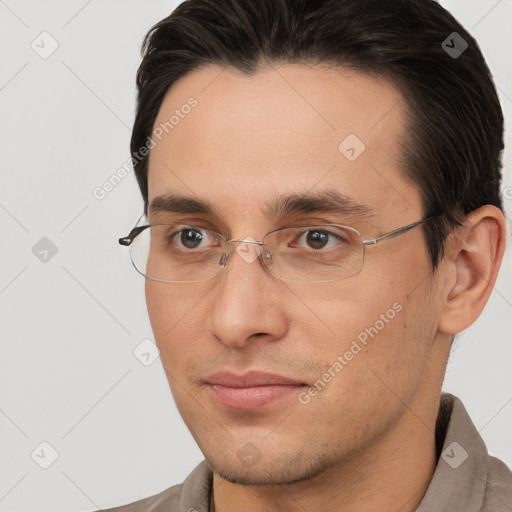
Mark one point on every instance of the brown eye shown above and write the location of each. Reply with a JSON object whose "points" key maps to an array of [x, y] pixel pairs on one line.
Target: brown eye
{"points": [[318, 239], [191, 238]]}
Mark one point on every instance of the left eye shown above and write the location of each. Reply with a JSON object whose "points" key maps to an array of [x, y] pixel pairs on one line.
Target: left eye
{"points": [[319, 239]]}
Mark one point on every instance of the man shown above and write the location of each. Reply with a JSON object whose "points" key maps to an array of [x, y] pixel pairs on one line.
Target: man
{"points": [[322, 180]]}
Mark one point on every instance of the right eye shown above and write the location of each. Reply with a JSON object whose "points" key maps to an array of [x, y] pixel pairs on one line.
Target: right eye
{"points": [[191, 238]]}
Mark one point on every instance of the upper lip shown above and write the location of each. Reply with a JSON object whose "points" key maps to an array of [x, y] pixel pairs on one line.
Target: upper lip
{"points": [[250, 379]]}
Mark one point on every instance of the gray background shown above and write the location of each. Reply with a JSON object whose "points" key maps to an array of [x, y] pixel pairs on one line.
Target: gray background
{"points": [[70, 323]]}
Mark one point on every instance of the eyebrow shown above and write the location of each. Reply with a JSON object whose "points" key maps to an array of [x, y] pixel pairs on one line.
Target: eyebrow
{"points": [[328, 201]]}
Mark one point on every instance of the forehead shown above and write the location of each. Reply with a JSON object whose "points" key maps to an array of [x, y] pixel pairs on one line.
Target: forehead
{"points": [[285, 129]]}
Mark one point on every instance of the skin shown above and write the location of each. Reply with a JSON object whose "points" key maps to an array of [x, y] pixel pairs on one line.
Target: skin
{"points": [[366, 441]]}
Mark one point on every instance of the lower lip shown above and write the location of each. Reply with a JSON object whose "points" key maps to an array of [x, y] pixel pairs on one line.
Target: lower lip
{"points": [[253, 397]]}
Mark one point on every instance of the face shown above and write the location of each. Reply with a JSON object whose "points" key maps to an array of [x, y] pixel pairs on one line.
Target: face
{"points": [[355, 351]]}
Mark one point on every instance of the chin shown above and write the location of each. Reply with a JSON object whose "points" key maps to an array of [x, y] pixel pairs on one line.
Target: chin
{"points": [[285, 470]]}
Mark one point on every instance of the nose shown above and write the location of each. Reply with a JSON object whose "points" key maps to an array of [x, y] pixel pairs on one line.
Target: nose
{"points": [[247, 299]]}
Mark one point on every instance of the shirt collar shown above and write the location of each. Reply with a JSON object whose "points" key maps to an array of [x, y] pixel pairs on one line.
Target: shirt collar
{"points": [[460, 477]]}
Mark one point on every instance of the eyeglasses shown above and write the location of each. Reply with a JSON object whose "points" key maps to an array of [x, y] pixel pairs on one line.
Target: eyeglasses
{"points": [[184, 253]]}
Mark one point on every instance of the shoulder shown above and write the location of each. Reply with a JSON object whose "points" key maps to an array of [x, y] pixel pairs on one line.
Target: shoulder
{"points": [[192, 494], [498, 488], [167, 501]]}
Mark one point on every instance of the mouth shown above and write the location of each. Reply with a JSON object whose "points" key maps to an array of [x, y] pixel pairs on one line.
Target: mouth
{"points": [[252, 390]]}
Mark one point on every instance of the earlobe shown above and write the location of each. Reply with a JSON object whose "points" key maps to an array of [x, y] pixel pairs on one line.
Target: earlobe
{"points": [[472, 263]]}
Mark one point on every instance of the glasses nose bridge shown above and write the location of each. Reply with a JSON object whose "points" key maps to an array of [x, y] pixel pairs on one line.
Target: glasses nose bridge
{"points": [[228, 251], [244, 240], [239, 240]]}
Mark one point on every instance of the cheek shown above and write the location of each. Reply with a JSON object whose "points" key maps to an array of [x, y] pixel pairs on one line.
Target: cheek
{"points": [[374, 330], [159, 302], [376, 358], [348, 310], [169, 304], [177, 318]]}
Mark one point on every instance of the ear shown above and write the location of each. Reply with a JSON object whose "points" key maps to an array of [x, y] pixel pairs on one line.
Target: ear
{"points": [[472, 260]]}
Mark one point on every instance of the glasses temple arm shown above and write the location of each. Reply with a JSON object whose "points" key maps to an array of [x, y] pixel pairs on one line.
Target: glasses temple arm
{"points": [[398, 231], [127, 240]]}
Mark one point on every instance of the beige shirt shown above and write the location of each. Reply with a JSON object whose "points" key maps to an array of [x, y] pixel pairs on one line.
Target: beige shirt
{"points": [[466, 479]]}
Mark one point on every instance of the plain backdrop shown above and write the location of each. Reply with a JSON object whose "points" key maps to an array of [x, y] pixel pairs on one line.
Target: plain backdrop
{"points": [[72, 309]]}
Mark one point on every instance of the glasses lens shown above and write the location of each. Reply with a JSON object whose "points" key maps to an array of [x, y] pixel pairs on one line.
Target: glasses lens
{"points": [[315, 253], [185, 253], [177, 252]]}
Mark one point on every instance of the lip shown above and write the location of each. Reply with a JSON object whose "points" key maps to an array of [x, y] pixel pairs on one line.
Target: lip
{"points": [[251, 390], [250, 379]]}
